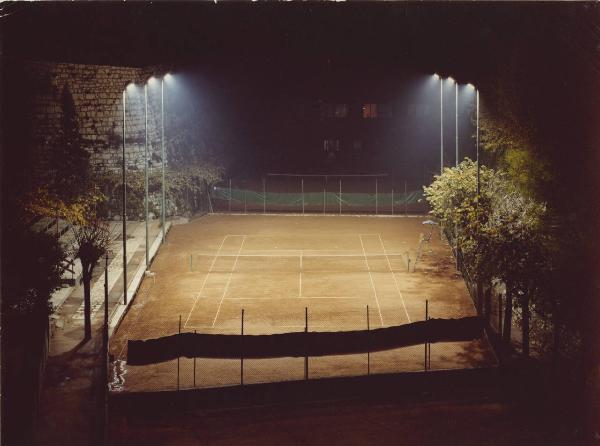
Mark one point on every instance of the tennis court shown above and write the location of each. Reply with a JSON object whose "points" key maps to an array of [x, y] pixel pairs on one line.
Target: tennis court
{"points": [[286, 273]]}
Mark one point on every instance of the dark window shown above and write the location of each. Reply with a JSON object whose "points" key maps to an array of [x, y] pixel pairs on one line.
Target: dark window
{"points": [[334, 110], [331, 145]]}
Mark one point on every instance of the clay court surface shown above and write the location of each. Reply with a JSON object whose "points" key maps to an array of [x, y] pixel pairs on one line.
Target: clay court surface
{"points": [[275, 266]]}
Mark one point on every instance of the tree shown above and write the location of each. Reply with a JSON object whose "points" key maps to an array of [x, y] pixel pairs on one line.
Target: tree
{"points": [[500, 233], [91, 242]]}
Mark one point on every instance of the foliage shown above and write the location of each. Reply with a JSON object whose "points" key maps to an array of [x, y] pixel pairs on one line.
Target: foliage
{"points": [[32, 269], [183, 185]]}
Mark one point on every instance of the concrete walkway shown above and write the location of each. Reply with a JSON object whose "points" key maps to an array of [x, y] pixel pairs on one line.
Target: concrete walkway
{"points": [[72, 393]]}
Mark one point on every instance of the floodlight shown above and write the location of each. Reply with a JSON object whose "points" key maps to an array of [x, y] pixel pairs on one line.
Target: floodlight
{"points": [[152, 80], [436, 76], [471, 86], [130, 86], [168, 77], [451, 79]]}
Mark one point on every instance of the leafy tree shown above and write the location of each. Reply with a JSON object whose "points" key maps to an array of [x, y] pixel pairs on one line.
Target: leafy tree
{"points": [[500, 233]]}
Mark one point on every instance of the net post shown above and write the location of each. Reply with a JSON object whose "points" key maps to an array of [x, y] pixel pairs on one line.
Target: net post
{"points": [[392, 201], [340, 196], [306, 344], [376, 197], [368, 343], [229, 194], [178, 353], [242, 351], [194, 367], [244, 200], [302, 182], [324, 199]]}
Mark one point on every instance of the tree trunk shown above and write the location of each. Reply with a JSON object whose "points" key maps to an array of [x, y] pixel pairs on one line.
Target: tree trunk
{"points": [[526, 318], [87, 306], [506, 331]]}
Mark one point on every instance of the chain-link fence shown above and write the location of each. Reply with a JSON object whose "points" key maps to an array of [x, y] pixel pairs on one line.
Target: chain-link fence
{"points": [[203, 372], [320, 194]]}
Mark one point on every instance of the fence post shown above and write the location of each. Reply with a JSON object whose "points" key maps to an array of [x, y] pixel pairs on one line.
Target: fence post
{"points": [[264, 181], [306, 344], [229, 194], [368, 343], [426, 318], [194, 367], [178, 355], [376, 196], [244, 200], [242, 352], [302, 196], [500, 315], [340, 196], [405, 199], [392, 201], [324, 199]]}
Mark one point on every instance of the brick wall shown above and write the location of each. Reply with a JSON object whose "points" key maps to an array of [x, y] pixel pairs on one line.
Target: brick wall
{"points": [[93, 94]]}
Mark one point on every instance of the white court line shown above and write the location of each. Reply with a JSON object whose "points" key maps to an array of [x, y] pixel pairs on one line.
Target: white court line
{"points": [[395, 280], [228, 282], [283, 298], [205, 279], [371, 278]]}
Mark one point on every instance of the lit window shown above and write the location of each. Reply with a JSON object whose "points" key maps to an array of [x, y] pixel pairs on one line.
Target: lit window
{"points": [[369, 111]]}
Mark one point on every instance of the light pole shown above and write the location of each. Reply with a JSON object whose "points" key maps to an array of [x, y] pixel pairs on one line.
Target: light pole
{"points": [[124, 200], [162, 157], [456, 118], [477, 140], [441, 125], [146, 169]]}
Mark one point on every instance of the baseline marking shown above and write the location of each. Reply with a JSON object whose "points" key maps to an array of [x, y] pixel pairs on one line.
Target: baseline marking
{"points": [[371, 278], [228, 282], [394, 276], [205, 279]]}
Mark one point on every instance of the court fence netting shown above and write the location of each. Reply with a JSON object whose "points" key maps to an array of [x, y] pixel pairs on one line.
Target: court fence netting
{"points": [[166, 356], [324, 194]]}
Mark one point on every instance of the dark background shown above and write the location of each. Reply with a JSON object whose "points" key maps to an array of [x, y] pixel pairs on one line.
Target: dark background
{"points": [[258, 72]]}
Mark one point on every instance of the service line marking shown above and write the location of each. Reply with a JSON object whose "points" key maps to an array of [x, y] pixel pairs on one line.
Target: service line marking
{"points": [[205, 279], [228, 281], [371, 279], [395, 280]]}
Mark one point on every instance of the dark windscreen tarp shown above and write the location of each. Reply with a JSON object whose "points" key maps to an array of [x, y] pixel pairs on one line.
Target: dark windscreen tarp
{"points": [[300, 344]]}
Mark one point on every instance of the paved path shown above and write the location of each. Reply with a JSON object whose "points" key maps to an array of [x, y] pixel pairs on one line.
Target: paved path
{"points": [[71, 397]]}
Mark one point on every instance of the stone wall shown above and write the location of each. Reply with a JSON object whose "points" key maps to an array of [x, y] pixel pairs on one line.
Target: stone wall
{"points": [[93, 94]]}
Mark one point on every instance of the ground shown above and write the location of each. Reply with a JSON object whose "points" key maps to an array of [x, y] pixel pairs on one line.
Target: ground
{"points": [[280, 269]]}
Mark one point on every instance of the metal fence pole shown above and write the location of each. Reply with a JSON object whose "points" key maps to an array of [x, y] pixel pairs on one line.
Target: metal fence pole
{"points": [[405, 199], [229, 194], [368, 343], [194, 367], [324, 199], [340, 196], [244, 200], [302, 196], [178, 356], [376, 197], [242, 351], [264, 195], [306, 345], [392, 201], [426, 318]]}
